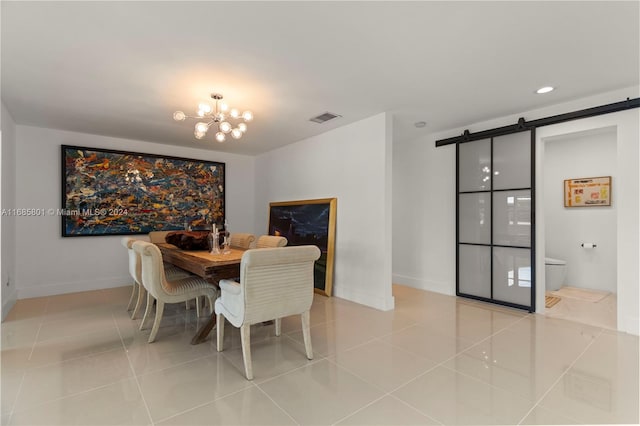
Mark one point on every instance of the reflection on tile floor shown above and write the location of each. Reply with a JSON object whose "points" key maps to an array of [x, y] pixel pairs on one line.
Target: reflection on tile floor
{"points": [[78, 359]]}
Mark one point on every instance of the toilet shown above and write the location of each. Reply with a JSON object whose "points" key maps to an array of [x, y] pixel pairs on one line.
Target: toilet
{"points": [[555, 271]]}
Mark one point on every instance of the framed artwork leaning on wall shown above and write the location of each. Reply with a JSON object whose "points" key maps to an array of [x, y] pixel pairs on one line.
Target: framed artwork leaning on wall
{"points": [[309, 222]]}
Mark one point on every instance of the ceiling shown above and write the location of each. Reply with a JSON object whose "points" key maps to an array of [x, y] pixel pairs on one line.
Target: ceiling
{"points": [[122, 68]]}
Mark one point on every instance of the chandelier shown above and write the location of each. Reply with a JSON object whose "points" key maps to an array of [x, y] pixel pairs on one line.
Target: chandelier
{"points": [[222, 118]]}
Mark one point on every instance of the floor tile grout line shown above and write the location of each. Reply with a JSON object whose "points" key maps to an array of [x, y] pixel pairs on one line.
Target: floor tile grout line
{"points": [[15, 400], [275, 403], [309, 362], [42, 317], [491, 385], [164, 419], [154, 371], [442, 364], [414, 408], [359, 409], [385, 394], [51, 364], [71, 395], [133, 372], [35, 342], [539, 400], [164, 368], [24, 372], [450, 358]]}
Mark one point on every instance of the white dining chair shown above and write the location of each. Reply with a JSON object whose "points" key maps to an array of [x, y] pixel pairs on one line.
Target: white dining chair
{"points": [[164, 290], [269, 241], [135, 270], [274, 283], [241, 240], [160, 237]]}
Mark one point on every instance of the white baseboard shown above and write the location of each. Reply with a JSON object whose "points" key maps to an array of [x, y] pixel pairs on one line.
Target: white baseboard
{"points": [[366, 299], [8, 302], [429, 285], [42, 290], [631, 326]]}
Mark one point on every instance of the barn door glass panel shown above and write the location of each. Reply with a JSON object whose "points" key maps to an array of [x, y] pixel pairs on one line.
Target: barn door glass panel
{"points": [[512, 161], [475, 218], [474, 274], [512, 275], [474, 166], [512, 218]]}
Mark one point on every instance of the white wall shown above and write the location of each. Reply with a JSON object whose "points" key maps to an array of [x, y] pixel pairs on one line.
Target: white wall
{"points": [[424, 215], [573, 156], [7, 230], [48, 264], [424, 204], [353, 164]]}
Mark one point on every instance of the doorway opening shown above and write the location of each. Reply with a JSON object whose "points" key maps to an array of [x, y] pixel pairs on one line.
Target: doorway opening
{"points": [[580, 242]]}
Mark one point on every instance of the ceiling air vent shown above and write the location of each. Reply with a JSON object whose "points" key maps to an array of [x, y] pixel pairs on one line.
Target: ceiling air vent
{"points": [[323, 118]]}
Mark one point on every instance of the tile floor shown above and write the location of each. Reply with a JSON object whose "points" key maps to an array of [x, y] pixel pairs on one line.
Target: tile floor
{"points": [[600, 314], [78, 359]]}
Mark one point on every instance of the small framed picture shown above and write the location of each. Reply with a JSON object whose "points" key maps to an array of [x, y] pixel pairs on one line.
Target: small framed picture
{"points": [[587, 192]]}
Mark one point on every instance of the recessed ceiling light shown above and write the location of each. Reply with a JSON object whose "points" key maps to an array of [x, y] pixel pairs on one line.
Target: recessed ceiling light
{"points": [[545, 89], [420, 124]]}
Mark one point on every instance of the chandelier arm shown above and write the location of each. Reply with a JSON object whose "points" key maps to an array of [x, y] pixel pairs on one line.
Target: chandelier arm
{"points": [[214, 119], [235, 125]]}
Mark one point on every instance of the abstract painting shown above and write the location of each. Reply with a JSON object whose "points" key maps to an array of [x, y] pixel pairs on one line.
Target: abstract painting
{"points": [[108, 192], [309, 222]]}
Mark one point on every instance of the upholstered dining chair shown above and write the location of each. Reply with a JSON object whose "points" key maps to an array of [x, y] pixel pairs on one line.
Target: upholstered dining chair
{"points": [[167, 291], [135, 270], [160, 237], [274, 283], [269, 241], [241, 240]]}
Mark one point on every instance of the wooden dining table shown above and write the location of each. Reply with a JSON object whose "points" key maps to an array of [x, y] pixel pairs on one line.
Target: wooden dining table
{"points": [[212, 267]]}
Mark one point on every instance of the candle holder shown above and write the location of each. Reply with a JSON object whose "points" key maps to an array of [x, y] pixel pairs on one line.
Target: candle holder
{"points": [[214, 241]]}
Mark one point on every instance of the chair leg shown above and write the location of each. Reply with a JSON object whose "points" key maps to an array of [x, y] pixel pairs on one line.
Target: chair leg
{"points": [[306, 332], [219, 332], [133, 296], [141, 292], [156, 323], [147, 311], [211, 302], [245, 337], [278, 326], [198, 306]]}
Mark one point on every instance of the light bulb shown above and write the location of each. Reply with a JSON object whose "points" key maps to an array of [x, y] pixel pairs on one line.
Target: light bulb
{"points": [[234, 113], [224, 107], [200, 113], [220, 137], [199, 135], [236, 133], [204, 107], [242, 127], [247, 115], [179, 116], [202, 127], [225, 127]]}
